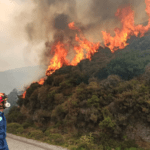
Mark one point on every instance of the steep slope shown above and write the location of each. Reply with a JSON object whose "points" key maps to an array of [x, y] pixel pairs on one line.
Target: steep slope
{"points": [[76, 101]]}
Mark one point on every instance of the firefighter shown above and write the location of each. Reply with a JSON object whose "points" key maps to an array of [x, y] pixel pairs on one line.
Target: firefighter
{"points": [[3, 104]]}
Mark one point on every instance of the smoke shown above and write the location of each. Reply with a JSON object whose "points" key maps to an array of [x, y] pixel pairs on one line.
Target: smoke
{"points": [[47, 21]]}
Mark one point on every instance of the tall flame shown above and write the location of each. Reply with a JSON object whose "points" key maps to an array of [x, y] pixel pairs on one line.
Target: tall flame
{"points": [[59, 58], [119, 41], [60, 52], [126, 16]]}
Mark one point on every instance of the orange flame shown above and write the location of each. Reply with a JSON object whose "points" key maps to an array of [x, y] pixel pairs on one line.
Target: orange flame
{"points": [[24, 94], [59, 58], [71, 26], [126, 16], [60, 52], [41, 82], [84, 44]]}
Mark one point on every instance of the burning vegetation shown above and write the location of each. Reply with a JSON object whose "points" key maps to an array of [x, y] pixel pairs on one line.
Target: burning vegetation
{"points": [[88, 48], [102, 89]]}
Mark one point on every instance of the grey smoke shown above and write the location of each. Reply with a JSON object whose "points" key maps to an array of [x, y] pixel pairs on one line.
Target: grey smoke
{"points": [[51, 17]]}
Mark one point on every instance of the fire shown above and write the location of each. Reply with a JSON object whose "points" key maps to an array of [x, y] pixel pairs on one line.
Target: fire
{"points": [[72, 26], [41, 82], [59, 58], [90, 47], [24, 94], [119, 41], [126, 16], [60, 52], [84, 44]]}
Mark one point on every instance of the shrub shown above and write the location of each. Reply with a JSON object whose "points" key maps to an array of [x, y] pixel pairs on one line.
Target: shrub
{"points": [[34, 133], [54, 137], [107, 123], [31, 89], [26, 125], [81, 91], [128, 144], [20, 101], [127, 66], [93, 86], [20, 130], [93, 101], [15, 115], [49, 79], [65, 84], [57, 113], [58, 80], [59, 98], [86, 142], [33, 100], [12, 127], [51, 94], [74, 100]]}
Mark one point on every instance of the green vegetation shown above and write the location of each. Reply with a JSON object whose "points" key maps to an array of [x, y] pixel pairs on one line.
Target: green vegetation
{"points": [[79, 108]]}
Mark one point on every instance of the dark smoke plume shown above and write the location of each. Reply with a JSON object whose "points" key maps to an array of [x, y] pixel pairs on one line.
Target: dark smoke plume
{"points": [[50, 18]]}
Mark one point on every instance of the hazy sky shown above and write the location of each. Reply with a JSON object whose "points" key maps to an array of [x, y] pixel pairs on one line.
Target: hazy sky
{"points": [[12, 49], [15, 50]]}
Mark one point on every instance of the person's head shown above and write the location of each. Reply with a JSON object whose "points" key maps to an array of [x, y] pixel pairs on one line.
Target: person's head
{"points": [[3, 101]]}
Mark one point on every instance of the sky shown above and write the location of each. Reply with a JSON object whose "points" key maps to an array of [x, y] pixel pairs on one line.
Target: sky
{"points": [[15, 49]]}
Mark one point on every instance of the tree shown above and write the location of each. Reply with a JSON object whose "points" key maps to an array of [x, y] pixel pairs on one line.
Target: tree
{"points": [[127, 65], [111, 81], [146, 75]]}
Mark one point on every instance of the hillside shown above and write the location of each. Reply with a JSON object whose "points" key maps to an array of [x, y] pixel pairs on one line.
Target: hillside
{"points": [[107, 97], [17, 78], [12, 99]]}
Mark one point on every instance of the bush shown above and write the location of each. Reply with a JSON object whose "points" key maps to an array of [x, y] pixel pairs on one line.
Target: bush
{"points": [[20, 130], [146, 75], [15, 115], [65, 84], [54, 137], [128, 144], [107, 123], [12, 127], [59, 98], [37, 134], [111, 81], [31, 89], [20, 101], [51, 94], [58, 80], [94, 101], [86, 142], [49, 80], [26, 125], [128, 65]]}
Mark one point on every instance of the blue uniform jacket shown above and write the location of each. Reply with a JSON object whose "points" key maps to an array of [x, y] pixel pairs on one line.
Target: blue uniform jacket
{"points": [[3, 126]]}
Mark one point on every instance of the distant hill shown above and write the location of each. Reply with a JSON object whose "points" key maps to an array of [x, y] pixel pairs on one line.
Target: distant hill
{"points": [[17, 78], [12, 99]]}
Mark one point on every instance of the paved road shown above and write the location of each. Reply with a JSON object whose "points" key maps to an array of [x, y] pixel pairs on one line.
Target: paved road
{"points": [[20, 143]]}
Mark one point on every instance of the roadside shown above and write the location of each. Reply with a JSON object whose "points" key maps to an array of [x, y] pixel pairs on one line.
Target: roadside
{"points": [[16, 143]]}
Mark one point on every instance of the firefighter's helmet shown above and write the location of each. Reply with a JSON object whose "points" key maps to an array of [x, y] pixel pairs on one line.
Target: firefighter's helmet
{"points": [[3, 100]]}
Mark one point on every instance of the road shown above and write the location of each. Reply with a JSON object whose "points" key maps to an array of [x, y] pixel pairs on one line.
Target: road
{"points": [[20, 143]]}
